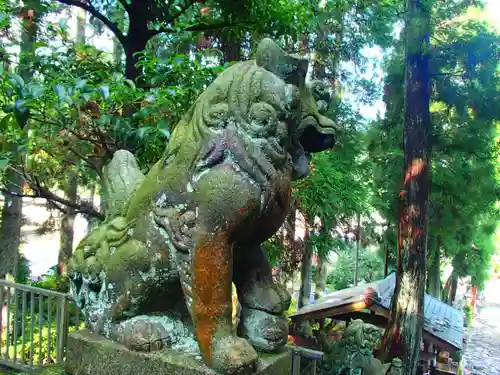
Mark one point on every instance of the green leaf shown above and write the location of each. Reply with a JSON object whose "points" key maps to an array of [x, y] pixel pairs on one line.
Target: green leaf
{"points": [[60, 92], [4, 163], [16, 80], [104, 91], [163, 128], [36, 91], [39, 45], [19, 105], [4, 123], [80, 83], [130, 83], [8, 108], [22, 117]]}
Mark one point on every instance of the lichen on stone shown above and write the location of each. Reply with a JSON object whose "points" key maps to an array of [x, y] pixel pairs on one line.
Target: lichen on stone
{"points": [[157, 272]]}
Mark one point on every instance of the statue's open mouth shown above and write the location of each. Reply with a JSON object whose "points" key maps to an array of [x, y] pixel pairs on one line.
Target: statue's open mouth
{"points": [[317, 133]]}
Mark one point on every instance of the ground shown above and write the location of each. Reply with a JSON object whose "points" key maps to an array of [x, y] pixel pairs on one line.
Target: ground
{"points": [[483, 350]]}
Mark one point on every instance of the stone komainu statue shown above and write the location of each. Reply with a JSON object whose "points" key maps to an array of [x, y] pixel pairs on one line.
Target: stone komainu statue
{"points": [[158, 271]]}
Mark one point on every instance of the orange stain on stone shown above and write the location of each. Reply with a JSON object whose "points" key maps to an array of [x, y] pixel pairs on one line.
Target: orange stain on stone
{"points": [[212, 271]]}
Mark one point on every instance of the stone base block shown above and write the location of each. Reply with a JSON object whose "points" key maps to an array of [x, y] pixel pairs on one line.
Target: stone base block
{"points": [[48, 370], [90, 354]]}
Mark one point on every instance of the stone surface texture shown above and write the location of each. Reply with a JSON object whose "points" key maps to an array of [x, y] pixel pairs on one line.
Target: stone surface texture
{"points": [[91, 354], [48, 370], [158, 272]]}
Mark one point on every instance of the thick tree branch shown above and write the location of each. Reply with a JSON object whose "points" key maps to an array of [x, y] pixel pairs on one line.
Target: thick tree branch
{"points": [[89, 161], [202, 27], [41, 192], [94, 12]]}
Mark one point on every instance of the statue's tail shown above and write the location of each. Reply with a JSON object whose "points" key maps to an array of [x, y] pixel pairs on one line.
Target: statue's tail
{"points": [[122, 177]]}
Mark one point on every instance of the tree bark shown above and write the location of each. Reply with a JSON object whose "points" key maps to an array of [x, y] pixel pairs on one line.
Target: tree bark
{"points": [[68, 219], [81, 24], [305, 276], [67, 223], [132, 72], [403, 335], [117, 46], [136, 40], [10, 230], [91, 199], [356, 259], [453, 288], [230, 47], [434, 271], [386, 260], [306, 267], [321, 275]]}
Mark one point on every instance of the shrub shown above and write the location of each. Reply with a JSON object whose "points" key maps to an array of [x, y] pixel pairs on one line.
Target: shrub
{"points": [[370, 268]]}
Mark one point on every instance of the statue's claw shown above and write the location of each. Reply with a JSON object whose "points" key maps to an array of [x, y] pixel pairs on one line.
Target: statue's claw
{"points": [[234, 356]]}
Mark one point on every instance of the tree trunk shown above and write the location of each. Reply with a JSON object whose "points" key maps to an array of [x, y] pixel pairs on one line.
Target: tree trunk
{"points": [[305, 276], [117, 46], [103, 198], [386, 260], [137, 39], [453, 288], [91, 199], [10, 230], [230, 47], [321, 274], [306, 270], [434, 271], [81, 24], [356, 259], [403, 335], [67, 223], [68, 219]]}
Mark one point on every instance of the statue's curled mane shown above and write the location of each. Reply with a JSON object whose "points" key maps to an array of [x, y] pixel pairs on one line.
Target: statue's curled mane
{"points": [[247, 96]]}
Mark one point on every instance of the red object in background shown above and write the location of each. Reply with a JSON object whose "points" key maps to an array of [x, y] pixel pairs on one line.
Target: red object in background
{"points": [[474, 298]]}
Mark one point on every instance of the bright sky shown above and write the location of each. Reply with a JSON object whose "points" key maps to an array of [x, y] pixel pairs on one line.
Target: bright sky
{"points": [[493, 12]]}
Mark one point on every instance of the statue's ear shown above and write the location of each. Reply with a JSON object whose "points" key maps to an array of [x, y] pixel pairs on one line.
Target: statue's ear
{"points": [[291, 69]]}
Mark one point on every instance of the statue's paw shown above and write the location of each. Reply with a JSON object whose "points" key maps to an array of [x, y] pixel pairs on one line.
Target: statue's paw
{"points": [[267, 297], [234, 356], [151, 333], [263, 330]]}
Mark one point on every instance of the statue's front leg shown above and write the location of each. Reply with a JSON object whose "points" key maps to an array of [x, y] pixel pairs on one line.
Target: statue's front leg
{"points": [[263, 301], [206, 274]]}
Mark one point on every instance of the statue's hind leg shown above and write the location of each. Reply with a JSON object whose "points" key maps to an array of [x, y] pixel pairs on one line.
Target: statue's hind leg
{"points": [[263, 301], [120, 288]]}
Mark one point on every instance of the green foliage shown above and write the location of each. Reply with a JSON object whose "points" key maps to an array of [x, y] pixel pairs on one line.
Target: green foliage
{"points": [[23, 269], [54, 282], [370, 268], [465, 82]]}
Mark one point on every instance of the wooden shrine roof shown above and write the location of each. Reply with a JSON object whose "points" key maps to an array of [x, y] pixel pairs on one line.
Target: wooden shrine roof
{"points": [[443, 324]]}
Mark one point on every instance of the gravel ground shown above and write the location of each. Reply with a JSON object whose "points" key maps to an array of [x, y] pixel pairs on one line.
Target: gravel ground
{"points": [[483, 350]]}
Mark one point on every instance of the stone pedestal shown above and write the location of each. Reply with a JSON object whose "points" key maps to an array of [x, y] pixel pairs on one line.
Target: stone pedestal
{"points": [[90, 354]]}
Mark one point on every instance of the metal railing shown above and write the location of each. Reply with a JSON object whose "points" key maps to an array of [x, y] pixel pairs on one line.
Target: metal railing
{"points": [[31, 320], [305, 361]]}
